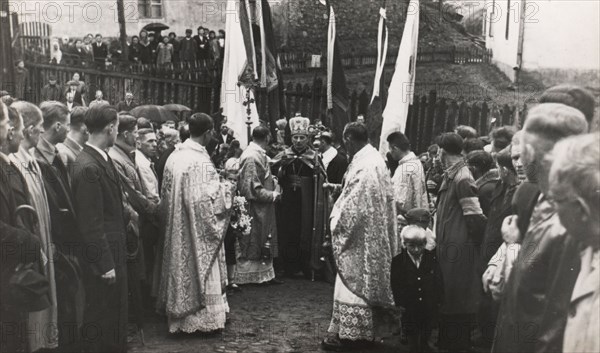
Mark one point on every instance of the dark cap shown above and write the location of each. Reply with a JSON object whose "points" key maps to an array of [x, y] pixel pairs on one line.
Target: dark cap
{"points": [[418, 215], [188, 31]]}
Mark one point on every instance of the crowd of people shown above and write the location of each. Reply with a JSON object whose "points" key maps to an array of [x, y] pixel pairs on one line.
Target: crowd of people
{"points": [[106, 217], [149, 47]]}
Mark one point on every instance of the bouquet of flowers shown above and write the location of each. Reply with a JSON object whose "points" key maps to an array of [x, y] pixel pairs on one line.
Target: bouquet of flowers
{"points": [[241, 222]]}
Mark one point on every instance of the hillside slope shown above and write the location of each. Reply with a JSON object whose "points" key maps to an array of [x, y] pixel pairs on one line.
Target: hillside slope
{"points": [[301, 25]]}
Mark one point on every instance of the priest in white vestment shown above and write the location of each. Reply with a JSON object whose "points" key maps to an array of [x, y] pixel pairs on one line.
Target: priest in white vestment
{"points": [[363, 228], [196, 206]]}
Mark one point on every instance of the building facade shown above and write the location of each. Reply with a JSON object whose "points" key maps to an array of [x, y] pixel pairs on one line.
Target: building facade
{"points": [[556, 41], [75, 19]]}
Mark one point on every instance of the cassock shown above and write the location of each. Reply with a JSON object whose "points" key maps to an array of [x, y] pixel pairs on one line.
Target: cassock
{"points": [[301, 214], [196, 207], [256, 184], [363, 226]]}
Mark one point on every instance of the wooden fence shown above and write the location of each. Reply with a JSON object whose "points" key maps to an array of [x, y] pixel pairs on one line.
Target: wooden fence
{"points": [[35, 37], [302, 62], [428, 116], [199, 96], [201, 71]]}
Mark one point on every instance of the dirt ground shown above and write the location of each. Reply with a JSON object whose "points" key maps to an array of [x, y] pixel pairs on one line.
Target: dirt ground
{"points": [[292, 317]]}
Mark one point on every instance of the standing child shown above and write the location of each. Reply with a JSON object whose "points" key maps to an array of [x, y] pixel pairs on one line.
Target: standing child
{"points": [[417, 285]]}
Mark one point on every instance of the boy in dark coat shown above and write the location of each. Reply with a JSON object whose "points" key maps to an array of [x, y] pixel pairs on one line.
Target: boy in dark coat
{"points": [[417, 286]]}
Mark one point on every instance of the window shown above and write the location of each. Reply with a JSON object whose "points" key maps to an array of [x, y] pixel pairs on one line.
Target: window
{"points": [[507, 18], [150, 8]]}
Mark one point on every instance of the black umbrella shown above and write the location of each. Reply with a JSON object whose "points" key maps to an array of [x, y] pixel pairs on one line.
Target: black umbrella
{"points": [[176, 108], [156, 27], [154, 113]]}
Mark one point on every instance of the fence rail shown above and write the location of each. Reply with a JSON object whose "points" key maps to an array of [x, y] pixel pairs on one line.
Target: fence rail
{"points": [[428, 116], [302, 62], [199, 96]]}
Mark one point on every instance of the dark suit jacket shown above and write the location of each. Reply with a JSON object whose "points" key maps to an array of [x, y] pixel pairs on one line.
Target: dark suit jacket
{"points": [[98, 202], [160, 165], [76, 99], [418, 290], [337, 168], [97, 197], [226, 140], [64, 228], [122, 106], [100, 52], [202, 47]]}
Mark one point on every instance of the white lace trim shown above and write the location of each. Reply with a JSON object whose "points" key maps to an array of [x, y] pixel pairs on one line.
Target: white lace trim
{"points": [[352, 321], [253, 272]]}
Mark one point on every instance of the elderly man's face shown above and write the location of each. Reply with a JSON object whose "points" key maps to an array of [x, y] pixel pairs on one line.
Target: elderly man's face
{"points": [[415, 247], [300, 142]]}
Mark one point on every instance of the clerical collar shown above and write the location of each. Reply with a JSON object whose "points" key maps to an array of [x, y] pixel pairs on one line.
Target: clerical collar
{"points": [[102, 153]]}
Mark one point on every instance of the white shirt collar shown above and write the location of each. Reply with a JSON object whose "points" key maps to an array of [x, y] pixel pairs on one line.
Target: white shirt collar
{"points": [[102, 153], [79, 147], [141, 158], [409, 156], [329, 155], [257, 147]]}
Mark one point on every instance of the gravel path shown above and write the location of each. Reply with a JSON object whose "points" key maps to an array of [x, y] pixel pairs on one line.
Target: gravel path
{"points": [[292, 317]]}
